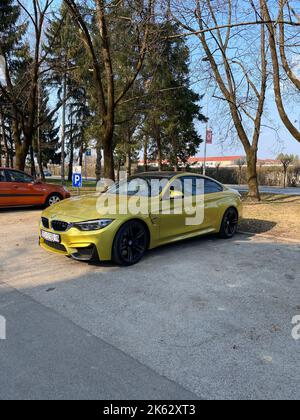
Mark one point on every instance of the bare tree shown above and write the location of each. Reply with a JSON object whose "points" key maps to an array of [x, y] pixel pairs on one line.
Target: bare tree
{"points": [[241, 163], [286, 161], [239, 73], [218, 166], [108, 98], [21, 94], [278, 46]]}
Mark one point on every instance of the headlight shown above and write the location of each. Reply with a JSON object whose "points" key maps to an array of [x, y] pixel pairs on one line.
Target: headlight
{"points": [[65, 189], [93, 224]]}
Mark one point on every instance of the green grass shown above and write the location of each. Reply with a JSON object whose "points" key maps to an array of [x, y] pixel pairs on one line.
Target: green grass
{"points": [[86, 184]]}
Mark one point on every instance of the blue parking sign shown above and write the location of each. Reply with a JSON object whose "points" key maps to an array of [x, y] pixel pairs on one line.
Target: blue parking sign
{"points": [[77, 180]]}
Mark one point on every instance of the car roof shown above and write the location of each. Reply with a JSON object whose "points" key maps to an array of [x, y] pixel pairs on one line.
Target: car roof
{"points": [[166, 174], [156, 174], [172, 174]]}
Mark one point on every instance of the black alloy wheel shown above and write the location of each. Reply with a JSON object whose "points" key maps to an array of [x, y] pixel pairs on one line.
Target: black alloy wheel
{"points": [[130, 244], [229, 224]]}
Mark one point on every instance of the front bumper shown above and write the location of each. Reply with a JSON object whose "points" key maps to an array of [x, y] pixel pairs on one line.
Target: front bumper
{"points": [[83, 246]]}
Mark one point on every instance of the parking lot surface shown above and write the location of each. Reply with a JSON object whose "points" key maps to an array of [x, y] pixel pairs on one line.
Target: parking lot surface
{"points": [[206, 318]]}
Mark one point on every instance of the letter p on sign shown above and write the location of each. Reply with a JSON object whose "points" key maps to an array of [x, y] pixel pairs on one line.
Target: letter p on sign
{"points": [[77, 180], [2, 328]]}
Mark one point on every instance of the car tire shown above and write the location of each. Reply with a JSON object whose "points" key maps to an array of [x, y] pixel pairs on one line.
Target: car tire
{"points": [[229, 223], [130, 244], [53, 199]]}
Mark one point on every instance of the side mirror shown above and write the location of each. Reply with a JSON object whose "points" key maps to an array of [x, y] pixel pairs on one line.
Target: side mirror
{"points": [[175, 195]]}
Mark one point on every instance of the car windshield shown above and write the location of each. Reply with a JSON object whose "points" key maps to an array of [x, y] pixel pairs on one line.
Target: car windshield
{"points": [[142, 187]]}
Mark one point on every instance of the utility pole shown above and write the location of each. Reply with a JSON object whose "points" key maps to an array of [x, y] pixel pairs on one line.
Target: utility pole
{"points": [[205, 151], [205, 139]]}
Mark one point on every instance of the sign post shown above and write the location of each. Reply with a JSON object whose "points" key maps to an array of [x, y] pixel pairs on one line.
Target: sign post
{"points": [[77, 178], [208, 140], [88, 153]]}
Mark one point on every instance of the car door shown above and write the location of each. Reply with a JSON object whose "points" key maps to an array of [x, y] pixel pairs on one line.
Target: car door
{"points": [[186, 209], [5, 191], [213, 201], [23, 190]]}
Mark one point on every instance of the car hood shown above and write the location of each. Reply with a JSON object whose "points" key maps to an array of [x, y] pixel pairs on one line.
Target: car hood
{"points": [[88, 207]]}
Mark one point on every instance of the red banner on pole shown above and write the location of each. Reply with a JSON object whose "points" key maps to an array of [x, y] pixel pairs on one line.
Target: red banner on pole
{"points": [[209, 136]]}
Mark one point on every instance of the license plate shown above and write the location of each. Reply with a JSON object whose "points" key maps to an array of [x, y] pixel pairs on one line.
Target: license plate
{"points": [[51, 237]]}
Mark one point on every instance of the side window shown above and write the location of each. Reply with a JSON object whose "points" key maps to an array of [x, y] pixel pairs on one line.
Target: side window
{"points": [[212, 187], [15, 176], [192, 185], [2, 176], [188, 185]]}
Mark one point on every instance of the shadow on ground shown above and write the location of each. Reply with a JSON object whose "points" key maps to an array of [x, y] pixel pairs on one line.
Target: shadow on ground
{"points": [[256, 226], [24, 210]]}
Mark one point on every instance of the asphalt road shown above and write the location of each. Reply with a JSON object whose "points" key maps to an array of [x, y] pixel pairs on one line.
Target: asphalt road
{"points": [[268, 190], [202, 319]]}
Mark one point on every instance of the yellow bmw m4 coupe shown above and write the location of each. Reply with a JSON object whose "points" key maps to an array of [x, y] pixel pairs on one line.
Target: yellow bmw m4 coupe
{"points": [[140, 213]]}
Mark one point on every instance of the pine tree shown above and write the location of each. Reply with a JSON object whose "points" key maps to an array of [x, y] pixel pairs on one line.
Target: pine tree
{"points": [[11, 33], [173, 107], [70, 77], [48, 132], [79, 118]]}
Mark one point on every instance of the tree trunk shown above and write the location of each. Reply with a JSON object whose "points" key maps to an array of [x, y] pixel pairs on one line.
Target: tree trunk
{"points": [[99, 163], [20, 159], [284, 177], [21, 155], [128, 161], [146, 154], [41, 169], [38, 139], [39, 156], [118, 170], [4, 138], [109, 168], [81, 156], [71, 160], [10, 160], [109, 172], [252, 175], [176, 166], [63, 131], [159, 153], [277, 75], [240, 175], [32, 162]]}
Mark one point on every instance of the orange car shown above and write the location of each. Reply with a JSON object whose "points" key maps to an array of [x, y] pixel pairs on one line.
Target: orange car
{"points": [[18, 189]]}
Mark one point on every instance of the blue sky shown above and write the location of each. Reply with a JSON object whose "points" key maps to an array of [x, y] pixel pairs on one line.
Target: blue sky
{"points": [[271, 142]]}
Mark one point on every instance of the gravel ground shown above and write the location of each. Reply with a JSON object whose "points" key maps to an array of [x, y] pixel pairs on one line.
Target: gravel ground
{"points": [[211, 317]]}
